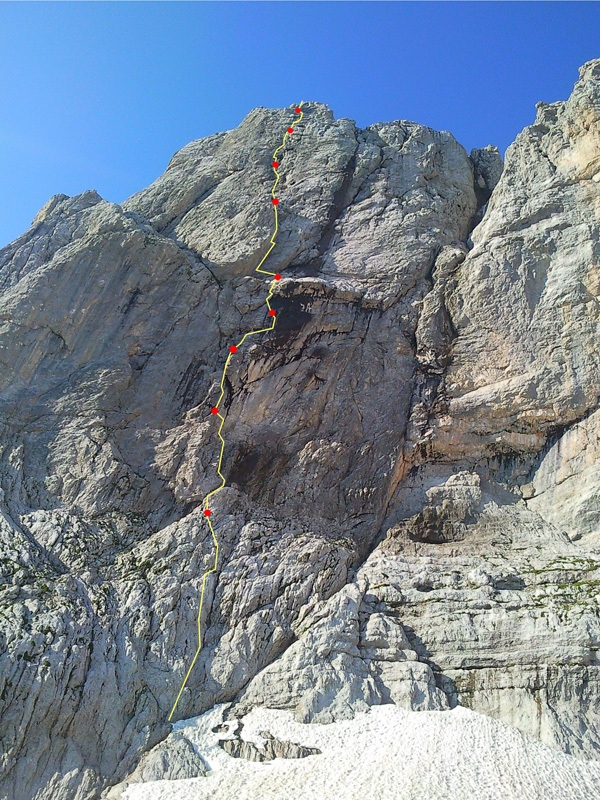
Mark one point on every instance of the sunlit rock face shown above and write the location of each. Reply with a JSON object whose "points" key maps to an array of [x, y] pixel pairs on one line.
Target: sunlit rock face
{"points": [[411, 510]]}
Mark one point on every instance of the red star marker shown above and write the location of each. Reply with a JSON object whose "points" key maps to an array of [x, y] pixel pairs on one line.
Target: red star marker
{"points": [[275, 164], [297, 110], [277, 277], [275, 201], [214, 410], [290, 130], [272, 312], [233, 349], [206, 513]]}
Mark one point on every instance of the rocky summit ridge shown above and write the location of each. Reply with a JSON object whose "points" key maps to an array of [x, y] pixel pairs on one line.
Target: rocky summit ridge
{"points": [[412, 510]]}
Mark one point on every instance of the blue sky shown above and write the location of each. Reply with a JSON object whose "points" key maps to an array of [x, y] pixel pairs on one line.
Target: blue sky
{"points": [[100, 95]]}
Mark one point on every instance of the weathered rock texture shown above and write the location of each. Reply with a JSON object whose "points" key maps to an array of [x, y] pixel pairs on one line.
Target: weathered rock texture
{"points": [[411, 510]]}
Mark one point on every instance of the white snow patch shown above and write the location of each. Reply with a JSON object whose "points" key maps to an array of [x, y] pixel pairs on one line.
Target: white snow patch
{"points": [[385, 754]]}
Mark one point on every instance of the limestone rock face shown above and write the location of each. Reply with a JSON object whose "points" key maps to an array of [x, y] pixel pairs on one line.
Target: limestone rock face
{"points": [[404, 519], [526, 365], [348, 656], [488, 169], [173, 759], [565, 486]]}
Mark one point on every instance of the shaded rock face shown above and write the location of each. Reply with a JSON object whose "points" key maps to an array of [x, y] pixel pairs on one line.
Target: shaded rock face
{"points": [[402, 521]]}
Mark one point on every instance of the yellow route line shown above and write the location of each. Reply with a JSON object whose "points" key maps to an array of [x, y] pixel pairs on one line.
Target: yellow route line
{"points": [[222, 418]]}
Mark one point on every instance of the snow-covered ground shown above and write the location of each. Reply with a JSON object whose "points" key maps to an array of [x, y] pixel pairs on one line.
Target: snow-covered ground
{"points": [[386, 754]]}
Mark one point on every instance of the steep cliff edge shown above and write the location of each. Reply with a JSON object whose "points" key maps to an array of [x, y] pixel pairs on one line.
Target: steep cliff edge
{"points": [[404, 519]]}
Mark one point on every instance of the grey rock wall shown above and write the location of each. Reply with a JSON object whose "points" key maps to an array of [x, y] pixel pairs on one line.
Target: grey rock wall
{"points": [[400, 514]]}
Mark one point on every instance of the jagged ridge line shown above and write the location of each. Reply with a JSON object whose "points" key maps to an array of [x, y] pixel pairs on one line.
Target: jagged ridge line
{"points": [[213, 569]]}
